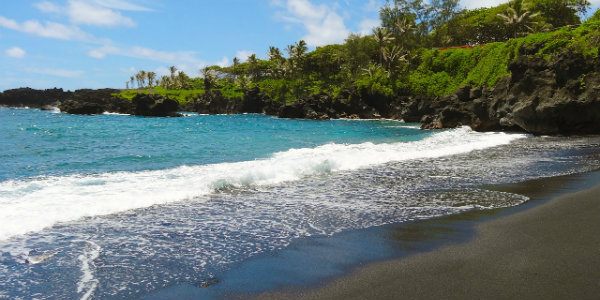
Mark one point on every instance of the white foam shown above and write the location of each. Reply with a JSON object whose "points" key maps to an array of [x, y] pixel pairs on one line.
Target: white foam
{"points": [[36, 203], [87, 283], [114, 114]]}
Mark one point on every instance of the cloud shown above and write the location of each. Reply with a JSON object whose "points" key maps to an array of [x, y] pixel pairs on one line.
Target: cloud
{"points": [[323, 25], [121, 5], [242, 55], [57, 72], [93, 13], [471, 4], [86, 13], [372, 5], [224, 62], [47, 7], [15, 52], [183, 60], [366, 26], [47, 30]]}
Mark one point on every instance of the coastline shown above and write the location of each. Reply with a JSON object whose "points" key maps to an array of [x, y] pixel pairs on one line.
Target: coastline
{"points": [[544, 248]]}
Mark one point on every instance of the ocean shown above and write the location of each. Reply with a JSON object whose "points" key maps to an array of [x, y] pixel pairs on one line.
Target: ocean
{"points": [[120, 207]]}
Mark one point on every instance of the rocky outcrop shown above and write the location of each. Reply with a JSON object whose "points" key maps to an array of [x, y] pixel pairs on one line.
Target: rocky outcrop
{"points": [[323, 106], [214, 102], [89, 102], [151, 105], [80, 108], [556, 96]]}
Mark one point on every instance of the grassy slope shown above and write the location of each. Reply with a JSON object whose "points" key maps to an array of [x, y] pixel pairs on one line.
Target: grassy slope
{"points": [[441, 72]]}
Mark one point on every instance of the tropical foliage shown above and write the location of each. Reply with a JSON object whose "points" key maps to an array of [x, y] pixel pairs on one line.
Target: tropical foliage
{"points": [[408, 54]]}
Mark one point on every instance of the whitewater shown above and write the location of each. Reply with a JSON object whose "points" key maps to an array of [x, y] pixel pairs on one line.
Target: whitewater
{"points": [[33, 204]]}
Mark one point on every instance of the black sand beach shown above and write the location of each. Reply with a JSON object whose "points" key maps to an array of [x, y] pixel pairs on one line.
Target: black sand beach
{"points": [[548, 248]]}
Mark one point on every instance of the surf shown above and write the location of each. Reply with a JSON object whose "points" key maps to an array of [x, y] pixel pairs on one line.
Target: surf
{"points": [[32, 204]]}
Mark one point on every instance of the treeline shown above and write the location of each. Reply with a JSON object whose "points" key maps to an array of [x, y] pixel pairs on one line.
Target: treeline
{"points": [[400, 57]]}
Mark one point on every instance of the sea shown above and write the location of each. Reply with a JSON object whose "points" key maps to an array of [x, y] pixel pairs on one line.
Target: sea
{"points": [[123, 207]]}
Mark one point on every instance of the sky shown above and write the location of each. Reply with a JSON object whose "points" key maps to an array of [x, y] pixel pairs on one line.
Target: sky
{"points": [[74, 44]]}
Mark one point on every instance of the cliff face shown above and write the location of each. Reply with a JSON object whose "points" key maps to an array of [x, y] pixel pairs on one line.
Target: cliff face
{"points": [[556, 96]]}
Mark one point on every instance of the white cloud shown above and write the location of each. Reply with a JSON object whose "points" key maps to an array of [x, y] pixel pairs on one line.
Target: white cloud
{"points": [[323, 25], [471, 4], [121, 5], [89, 14], [47, 30], [103, 51], [184, 60], [366, 26], [224, 62], [15, 52], [372, 5], [242, 55], [93, 12], [47, 7], [57, 72]]}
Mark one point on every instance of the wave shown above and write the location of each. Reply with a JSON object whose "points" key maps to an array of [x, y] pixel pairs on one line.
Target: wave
{"points": [[36, 203]]}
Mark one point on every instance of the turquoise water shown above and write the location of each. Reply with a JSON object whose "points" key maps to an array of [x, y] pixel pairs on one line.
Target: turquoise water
{"points": [[124, 207], [35, 142]]}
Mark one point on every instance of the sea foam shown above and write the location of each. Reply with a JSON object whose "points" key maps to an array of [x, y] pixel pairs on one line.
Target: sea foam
{"points": [[36, 203]]}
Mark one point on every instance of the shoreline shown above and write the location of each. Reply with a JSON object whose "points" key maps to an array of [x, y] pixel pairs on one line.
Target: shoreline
{"points": [[544, 248]]}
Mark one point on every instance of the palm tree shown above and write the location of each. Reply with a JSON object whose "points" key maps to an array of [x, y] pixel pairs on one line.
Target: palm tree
{"points": [[291, 50], [143, 78], [165, 81], [300, 49], [182, 79], [151, 76], [138, 78], [403, 26], [274, 53], [127, 85], [382, 36], [131, 78], [172, 69], [393, 54], [518, 19], [253, 66], [209, 78]]}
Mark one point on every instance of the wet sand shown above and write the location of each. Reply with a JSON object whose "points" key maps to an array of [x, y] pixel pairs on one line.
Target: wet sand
{"points": [[544, 250]]}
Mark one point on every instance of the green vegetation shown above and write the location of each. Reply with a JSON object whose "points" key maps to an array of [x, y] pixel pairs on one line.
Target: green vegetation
{"points": [[408, 54]]}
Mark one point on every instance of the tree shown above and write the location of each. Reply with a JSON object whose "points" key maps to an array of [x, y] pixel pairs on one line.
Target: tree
{"points": [[274, 54], [142, 78], [209, 78], [423, 17], [151, 76], [131, 78], [182, 79], [518, 19], [300, 49], [383, 37], [165, 82], [138, 78], [253, 67], [560, 12], [173, 70], [393, 55]]}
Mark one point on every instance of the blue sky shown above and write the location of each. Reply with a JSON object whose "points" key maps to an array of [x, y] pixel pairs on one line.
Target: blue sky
{"points": [[99, 43]]}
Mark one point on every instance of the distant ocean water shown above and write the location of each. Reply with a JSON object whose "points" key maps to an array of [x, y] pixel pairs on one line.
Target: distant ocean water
{"points": [[116, 207]]}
